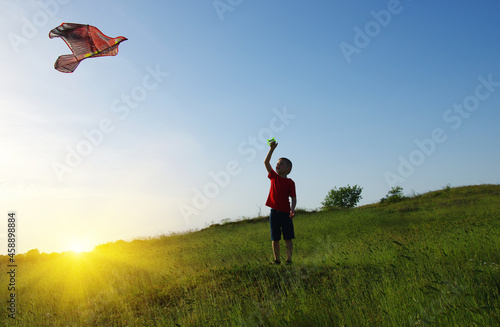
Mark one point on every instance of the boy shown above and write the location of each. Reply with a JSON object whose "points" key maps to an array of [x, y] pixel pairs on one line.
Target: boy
{"points": [[281, 212]]}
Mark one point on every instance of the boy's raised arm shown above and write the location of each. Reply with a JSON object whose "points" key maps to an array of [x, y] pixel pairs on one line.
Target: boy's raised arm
{"points": [[267, 162]]}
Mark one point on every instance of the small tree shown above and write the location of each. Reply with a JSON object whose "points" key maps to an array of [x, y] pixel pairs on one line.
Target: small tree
{"points": [[32, 255], [395, 194], [343, 198]]}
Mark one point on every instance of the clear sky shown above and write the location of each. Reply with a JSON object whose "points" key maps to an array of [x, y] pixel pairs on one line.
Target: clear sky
{"points": [[169, 135]]}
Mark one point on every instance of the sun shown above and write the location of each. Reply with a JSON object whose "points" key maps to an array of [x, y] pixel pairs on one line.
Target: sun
{"points": [[79, 246]]}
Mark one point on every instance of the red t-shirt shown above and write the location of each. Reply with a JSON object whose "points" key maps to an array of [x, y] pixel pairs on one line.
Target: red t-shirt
{"points": [[281, 190]]}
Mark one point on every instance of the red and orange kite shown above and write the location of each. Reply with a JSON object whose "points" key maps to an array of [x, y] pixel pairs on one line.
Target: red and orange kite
{"points": [[85, 41]]}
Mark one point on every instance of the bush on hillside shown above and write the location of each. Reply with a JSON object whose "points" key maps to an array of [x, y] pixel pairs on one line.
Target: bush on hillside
{"points": [[342, 198], [394, 195]]}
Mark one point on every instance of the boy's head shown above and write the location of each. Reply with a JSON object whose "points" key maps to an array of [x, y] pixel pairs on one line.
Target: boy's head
{"points": [[284, 166]]}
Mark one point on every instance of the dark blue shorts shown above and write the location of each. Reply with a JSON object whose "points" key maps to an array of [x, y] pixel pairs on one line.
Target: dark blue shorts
{"points": [[281, 223]]}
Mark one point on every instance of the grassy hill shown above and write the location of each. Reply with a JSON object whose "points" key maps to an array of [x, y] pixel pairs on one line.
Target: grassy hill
{"points": [[432, 259]]}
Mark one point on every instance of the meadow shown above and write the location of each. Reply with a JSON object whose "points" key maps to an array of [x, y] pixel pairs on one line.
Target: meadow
{"points": [[427, 260]]}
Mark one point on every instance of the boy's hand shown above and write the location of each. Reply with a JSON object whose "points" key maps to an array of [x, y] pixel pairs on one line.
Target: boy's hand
{"points": [[292, 213], [273, 144]]}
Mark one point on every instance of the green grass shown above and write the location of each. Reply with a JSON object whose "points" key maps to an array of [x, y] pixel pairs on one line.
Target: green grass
{"points": [[432, 259]]}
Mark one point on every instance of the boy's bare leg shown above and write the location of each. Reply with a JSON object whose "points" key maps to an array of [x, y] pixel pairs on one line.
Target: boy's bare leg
{"points": [[289, 250], [276, 250]]}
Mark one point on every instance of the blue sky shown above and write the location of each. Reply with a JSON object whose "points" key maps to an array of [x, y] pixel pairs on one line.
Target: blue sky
{"points": [[169, 135]]}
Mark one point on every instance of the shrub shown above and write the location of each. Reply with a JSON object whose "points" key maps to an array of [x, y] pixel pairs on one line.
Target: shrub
{"points": [[343, 198], [395, 194], [32, 255]]}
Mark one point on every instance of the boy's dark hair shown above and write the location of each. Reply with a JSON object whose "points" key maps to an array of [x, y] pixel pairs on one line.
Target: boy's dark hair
{"points": [[288, 162]]}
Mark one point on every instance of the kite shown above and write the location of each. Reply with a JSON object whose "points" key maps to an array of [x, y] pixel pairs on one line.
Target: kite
{"points": [[85, 41]]}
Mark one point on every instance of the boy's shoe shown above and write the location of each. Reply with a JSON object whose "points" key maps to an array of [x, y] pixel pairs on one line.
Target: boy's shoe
{"points": [[276, 262], [289, 262]]}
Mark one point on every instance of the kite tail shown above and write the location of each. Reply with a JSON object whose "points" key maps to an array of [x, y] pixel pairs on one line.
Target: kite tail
{"points": [[66, 63]]}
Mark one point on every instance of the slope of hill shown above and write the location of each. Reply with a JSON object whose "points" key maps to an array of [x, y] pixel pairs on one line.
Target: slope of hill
{"points": [[430, 259]]}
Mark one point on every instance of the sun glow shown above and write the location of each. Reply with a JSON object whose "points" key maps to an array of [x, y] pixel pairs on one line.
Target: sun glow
{"points": [[79, 246]]}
